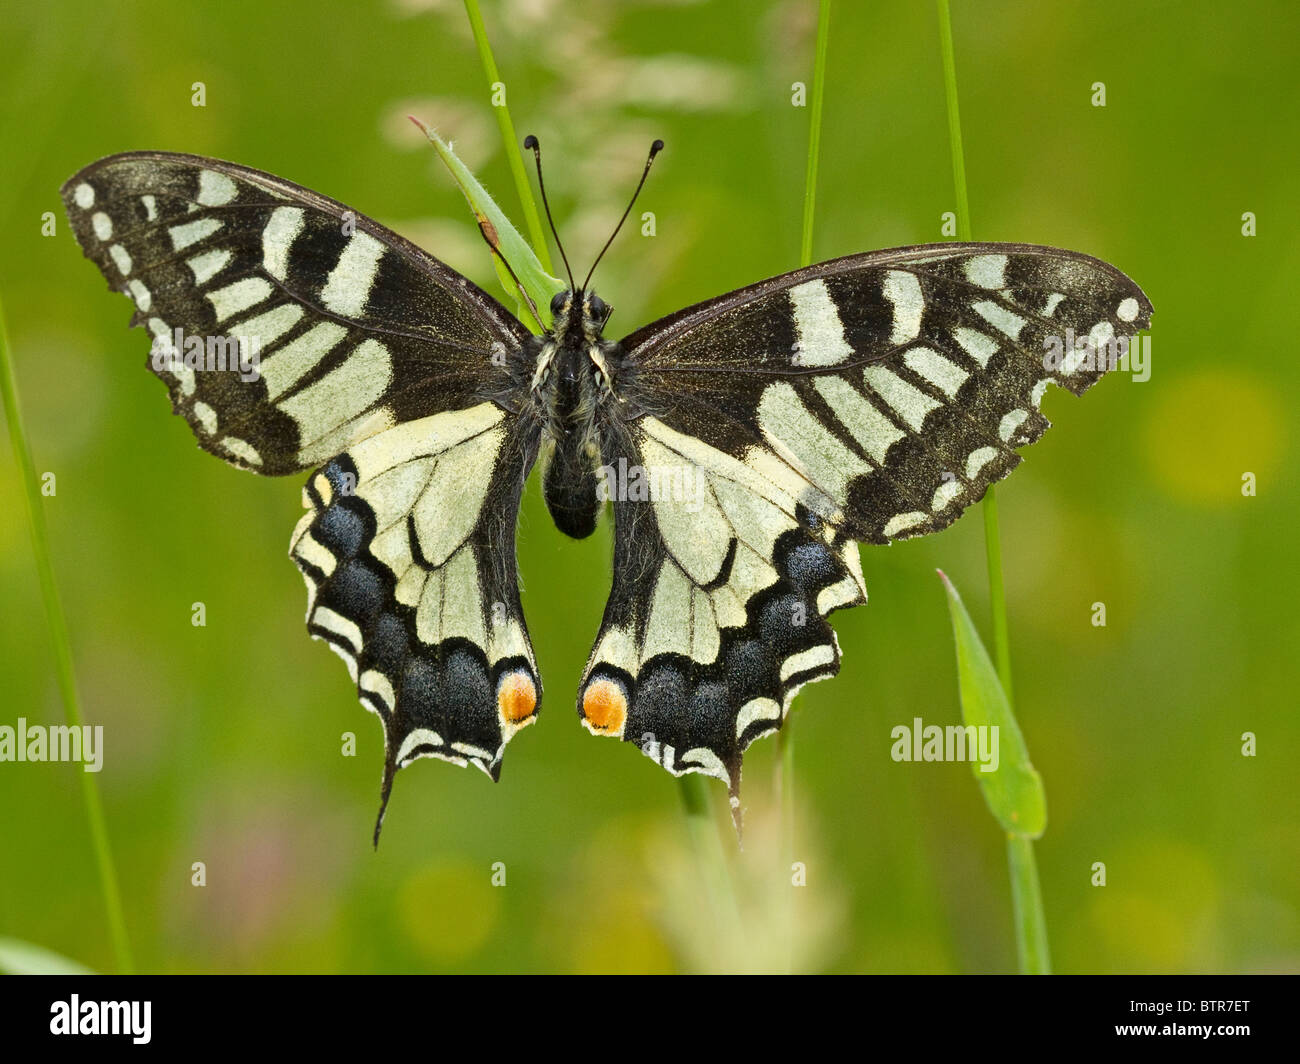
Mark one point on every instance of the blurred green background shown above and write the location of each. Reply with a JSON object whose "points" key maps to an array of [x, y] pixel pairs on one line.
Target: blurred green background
{"points": [[223, 742]]}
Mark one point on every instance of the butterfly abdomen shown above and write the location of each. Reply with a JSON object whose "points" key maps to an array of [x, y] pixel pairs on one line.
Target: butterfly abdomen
{"points": [[570, 484]]}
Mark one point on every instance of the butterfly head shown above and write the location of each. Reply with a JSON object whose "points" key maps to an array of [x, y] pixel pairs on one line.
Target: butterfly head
{"points": [[579, 316]]}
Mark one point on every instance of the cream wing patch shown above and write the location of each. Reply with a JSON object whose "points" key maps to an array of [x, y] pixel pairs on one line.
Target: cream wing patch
{"points": [[872, 429], [818, 327], [215, 189], [343, 393], [283, 228], [796, 433], [909, 404], [903, 291], [348, 287]]}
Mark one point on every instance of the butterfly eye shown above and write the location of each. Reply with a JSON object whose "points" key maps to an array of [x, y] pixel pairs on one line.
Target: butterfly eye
{"points": [[599, 308], [557, 301]]}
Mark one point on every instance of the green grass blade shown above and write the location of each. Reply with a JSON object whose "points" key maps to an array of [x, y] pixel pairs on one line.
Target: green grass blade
{"points": [[954, 121], [815, 131], [532, 274], [62, 647], [512, 143], [1014, 791], [711, 859], [785, 737], [992, 539]]}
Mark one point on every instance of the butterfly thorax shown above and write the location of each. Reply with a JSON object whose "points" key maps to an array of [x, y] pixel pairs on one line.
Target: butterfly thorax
{"points": [[573, 385]]}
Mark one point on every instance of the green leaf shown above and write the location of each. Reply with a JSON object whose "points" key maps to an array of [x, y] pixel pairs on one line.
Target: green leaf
{"points": [[26, 958], [1014, 791], [511, 246]]}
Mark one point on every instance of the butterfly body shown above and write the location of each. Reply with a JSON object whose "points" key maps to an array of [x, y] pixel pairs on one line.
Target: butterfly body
{"points": [[745, 445], [573, 393]]}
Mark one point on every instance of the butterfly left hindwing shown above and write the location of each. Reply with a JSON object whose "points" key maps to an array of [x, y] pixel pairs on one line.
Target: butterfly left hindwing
{"points": [[408, 549], [865, 399]]}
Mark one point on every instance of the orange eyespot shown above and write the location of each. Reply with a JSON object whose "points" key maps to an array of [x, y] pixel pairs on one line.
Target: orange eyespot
{"points": [[604, 708], [516, 697]]}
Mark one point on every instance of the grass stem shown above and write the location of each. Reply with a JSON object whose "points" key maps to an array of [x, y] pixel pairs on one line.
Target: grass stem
{"points": [[62, 647], [711, 862], [1026, 897], [992, 540], [785, 737], [815, 131], [954, 122]]}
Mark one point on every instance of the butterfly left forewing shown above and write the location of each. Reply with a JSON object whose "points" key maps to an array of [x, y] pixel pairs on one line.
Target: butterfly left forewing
{"points": [[354, 329]]}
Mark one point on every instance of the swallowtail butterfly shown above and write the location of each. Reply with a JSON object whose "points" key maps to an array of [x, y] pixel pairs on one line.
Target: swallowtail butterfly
{"points": [[748, 443]]}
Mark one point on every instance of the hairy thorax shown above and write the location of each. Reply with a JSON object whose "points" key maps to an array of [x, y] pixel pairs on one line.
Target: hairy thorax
{"points": [[573, 392]]}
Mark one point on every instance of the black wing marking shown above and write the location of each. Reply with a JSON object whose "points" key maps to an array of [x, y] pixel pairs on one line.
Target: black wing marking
{"points": [[408, 550], [896, 384], [355, 329]]}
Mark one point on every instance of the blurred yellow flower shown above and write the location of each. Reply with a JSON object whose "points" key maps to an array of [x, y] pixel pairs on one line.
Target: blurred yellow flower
{"points": [[1209, 429], [447, 909]]}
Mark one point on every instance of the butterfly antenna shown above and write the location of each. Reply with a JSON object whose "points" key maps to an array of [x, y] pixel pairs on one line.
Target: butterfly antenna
{"points": [[489, 232], [535, 146], [655, 149]]}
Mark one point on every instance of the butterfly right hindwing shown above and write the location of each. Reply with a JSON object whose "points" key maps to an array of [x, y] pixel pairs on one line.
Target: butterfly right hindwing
{"points": [[717, 613]]}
